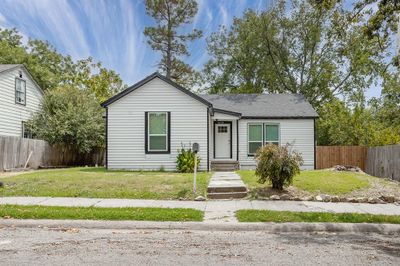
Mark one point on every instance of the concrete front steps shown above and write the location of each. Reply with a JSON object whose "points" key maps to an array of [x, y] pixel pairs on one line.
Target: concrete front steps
{"points": [[224, 166], [226, 185]]}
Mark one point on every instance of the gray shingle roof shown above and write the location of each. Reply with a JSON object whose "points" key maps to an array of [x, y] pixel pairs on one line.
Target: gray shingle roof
{"points": [[4, 67], [263, 105]]}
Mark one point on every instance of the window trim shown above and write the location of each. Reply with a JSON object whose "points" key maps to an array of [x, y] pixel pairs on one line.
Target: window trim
{"points": [[147, 134], [15, 91], [23, 127], [248, 136], [215, 132], [263, 141], [279, 134]]}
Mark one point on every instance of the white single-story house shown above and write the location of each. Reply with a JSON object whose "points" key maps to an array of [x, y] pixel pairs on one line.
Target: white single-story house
{"points": [[147, 124], [20, 97]]}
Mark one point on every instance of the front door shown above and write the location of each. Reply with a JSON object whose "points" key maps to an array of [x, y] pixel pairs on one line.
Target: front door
{"points": [[222, 140]]}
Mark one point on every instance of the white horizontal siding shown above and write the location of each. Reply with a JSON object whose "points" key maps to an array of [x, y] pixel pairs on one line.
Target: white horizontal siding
{"points": [[12, 114], [126, 133], [298, 132]]}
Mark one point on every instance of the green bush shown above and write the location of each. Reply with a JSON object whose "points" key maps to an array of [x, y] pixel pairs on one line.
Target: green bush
{"points": [[185, 160], [277, 165]]}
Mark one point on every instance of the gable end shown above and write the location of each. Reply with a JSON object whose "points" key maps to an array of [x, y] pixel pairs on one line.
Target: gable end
{"points": [[148, 79]]}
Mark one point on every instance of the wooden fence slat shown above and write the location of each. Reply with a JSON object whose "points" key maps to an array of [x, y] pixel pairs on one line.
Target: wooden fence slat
{"points": [[384, 161], [328, 156], [14, 152]]}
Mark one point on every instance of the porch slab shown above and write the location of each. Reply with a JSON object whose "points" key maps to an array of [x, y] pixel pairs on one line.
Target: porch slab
{"points": [[225, 185]]}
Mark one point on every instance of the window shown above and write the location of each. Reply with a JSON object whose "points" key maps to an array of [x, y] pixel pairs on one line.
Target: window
{"points": [[271, 134], [26, 132], [20, 91], [222, 129], [255, 137], [157, 131], [261, 133]]}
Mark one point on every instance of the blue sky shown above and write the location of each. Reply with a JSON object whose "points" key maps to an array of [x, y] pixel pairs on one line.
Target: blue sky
{"points": [[111, 31]]}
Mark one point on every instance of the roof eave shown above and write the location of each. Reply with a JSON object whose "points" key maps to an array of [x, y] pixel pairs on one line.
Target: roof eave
{"points": [[222, 111], [279, 117]]}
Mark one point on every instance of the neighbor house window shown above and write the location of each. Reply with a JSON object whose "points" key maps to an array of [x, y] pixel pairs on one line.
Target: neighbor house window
{"points": [[261, 134], [20, 91], [26, 132], [157, 132]]}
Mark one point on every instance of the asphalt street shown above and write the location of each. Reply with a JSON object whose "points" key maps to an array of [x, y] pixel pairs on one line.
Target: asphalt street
{"points": [[74, 246]]}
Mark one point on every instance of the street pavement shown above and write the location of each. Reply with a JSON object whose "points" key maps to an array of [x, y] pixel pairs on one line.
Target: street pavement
{"points": [[216, 211], [76, 246]]}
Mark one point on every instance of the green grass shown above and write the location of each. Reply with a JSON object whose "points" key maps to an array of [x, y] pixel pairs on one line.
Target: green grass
{"points": [[93, 213], [101, 183], [310, 217], [320, 181]]}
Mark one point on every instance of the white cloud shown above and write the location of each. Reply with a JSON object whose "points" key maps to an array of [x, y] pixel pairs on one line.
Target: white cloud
{"points": [[133, 45], [49, 19], [224, 14]]}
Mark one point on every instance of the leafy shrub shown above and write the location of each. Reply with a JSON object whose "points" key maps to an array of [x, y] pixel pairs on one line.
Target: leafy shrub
{"points": [[70, 117], [185, 160], [182, 193], [277, 165]]}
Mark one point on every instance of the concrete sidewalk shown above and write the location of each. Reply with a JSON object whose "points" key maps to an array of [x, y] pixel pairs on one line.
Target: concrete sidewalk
{"points": [[215, 210]]}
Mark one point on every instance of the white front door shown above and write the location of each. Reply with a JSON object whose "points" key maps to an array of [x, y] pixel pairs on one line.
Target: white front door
{"points": [[222, 140]]}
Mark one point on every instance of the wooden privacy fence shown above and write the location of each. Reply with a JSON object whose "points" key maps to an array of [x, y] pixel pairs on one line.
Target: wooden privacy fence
{"points": [[384, 161], [15, 151], [328, 156]]}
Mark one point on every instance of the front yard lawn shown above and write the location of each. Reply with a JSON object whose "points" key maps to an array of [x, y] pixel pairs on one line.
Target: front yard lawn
{"points": [[102, 183], [310, 217], [93, 213], [314, 182]]}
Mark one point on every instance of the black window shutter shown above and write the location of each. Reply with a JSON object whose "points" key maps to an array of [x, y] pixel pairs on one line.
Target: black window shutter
{"points": [[169, 132], [145, 132]]}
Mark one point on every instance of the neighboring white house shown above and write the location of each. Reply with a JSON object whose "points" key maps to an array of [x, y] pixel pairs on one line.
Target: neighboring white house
{"points": [[20, 97], [149, 122]]}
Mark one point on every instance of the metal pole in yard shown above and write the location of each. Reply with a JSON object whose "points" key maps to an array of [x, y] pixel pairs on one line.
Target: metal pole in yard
{"points": [[195, 173], [195, 150]]}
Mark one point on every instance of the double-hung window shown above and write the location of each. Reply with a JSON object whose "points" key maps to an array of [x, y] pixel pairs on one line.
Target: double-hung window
{"points": [[26, 132], [260, 134], [271, 134], [20, 91], [157, 132], [255, 137]]}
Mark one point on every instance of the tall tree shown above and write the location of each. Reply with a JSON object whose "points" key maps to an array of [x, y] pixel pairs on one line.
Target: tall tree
{"points": [[71, 118], [51, 69], [317, 49], [70, 113], [170, 15], [383, 20]]}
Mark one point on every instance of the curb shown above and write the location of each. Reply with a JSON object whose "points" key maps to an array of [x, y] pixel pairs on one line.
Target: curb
{"points": [[385, 229]]}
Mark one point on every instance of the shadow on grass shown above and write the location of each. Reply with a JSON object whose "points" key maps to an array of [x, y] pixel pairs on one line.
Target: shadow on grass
{"points": [[104, 170]]}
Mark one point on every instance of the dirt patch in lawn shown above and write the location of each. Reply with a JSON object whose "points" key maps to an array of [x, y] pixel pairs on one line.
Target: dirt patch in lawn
{"points": [[378, 187], [291, 191]]}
